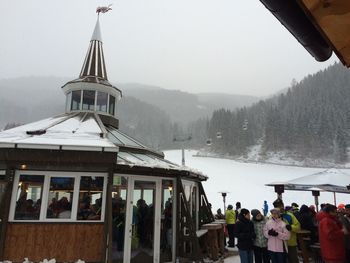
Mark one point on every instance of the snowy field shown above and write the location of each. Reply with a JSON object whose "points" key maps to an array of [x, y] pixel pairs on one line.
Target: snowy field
{"points": [[245, 182]]}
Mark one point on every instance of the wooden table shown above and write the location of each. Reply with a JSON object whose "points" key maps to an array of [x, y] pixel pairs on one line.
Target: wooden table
{"points": [[303, 236], [214, 238]]}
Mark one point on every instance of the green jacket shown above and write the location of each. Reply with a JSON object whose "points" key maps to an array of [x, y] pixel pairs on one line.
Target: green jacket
{"points": [[230, 216], [291, 220]]}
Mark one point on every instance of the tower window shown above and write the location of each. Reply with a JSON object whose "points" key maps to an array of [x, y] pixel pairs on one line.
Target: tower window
{"points": [[68, 101], [76, 100], [88, 99], [101, 101], [111, 104]]}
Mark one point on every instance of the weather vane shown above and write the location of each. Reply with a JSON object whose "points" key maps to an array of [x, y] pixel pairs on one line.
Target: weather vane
{"points": [[103, 9]]}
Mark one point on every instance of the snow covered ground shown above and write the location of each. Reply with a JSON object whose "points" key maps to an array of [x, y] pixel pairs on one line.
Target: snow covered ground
{"points": [[245, 182]]}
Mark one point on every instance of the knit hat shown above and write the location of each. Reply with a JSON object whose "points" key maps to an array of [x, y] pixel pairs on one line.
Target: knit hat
{"points": [[278, 203], [295, 205], [288, 208], [229, 207], [244, 211], [254, 213]]}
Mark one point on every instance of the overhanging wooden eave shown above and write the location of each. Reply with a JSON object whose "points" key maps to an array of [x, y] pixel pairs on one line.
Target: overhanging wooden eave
{"points": [[332, 19]]}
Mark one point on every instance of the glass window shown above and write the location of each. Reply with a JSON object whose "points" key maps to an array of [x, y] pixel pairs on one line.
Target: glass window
{"points": [[167, 230], [119, 201], [29, 193], [60, 197], [101, 101], [76, 98], [111, 104], [68, 101], [88, 100], [90, 198]]}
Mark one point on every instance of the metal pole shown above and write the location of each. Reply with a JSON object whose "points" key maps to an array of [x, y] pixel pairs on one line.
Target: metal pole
{"points": [[279, 196], [316, 203], [335, 199], [183, 156], [224, 203]]}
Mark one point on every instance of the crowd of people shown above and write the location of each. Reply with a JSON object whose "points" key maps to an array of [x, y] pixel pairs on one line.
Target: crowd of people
{"points": [[262, 238]]}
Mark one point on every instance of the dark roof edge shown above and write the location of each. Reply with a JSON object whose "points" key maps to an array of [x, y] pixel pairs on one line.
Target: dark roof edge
{"points": [[292, 17]]}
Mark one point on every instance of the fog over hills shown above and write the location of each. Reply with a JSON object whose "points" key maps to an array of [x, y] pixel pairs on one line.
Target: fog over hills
{"points": [[184, 107], [27, 99]]}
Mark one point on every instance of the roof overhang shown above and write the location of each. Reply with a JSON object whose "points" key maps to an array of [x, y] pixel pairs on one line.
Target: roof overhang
{"points": [[59, 147], [332, 19], [102, 86], [320, 26]]}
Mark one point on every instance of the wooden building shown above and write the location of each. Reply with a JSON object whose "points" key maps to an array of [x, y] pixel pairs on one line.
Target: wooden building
{"points": [[75, 187]]}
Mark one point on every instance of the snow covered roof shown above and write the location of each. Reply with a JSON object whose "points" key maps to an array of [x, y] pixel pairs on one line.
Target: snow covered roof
{"points": [[71, 131], [132, 159], [331, 180]]}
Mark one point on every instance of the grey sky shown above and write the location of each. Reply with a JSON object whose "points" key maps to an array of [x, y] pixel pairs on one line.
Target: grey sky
{"points": [[192, 45]]}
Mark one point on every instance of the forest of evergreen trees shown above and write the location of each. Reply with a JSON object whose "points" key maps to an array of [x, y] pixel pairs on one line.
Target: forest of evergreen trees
{"points": [[311, 119]]}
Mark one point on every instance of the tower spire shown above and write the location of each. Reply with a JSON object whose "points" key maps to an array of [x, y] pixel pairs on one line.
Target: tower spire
{"points": [[92, 91], [94, 63]]}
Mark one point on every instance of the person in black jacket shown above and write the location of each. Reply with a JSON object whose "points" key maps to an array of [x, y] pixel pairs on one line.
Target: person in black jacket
{"points": [[306, 222], [244, 232]]}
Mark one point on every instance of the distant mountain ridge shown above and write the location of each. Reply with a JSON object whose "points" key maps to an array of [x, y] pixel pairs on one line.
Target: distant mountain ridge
{"points": [[184, 107], [146, 112], [32, 98]]}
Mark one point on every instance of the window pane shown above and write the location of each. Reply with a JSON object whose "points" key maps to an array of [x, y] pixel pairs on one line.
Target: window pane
{"points": [[76, 96], [60, 197], [111, 105], [119, 201], [88, 99], [68, 101], [90, 198], [29, 193], [101, 102], [167, 231]]}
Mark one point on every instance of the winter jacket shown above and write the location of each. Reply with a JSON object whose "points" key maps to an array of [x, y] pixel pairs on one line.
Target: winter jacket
{"points": [[244, 231], [260, 239], [291, 220], [230, 216], [331, 238], [275, 244], [306, 222]]}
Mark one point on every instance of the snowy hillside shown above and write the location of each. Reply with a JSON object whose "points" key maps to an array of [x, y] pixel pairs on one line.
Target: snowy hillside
{"points": [[245, 182], [255, 154]]}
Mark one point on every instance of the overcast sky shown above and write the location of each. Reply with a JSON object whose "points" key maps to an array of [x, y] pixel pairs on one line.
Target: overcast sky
{"points": [[196, 46]]}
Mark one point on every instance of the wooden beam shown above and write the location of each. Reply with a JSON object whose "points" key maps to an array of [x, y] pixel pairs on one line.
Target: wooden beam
{"points": [[332, 19], [5, 209]]}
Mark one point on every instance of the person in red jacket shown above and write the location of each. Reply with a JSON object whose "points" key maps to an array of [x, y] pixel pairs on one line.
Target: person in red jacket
{"points": [[331, 234]]}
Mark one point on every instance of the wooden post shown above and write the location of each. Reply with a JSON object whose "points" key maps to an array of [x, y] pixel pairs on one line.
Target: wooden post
{"points": [[177, 214], [302, 235], [107, 256], [5, 209]]}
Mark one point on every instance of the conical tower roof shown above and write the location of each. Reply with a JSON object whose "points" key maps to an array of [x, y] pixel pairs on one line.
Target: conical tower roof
{"points": [[94, 64]]}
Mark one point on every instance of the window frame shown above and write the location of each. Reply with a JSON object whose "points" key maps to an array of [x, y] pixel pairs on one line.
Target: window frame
{"points": [[45, 195], [82, 100], [97, 105], [80, 103]]}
